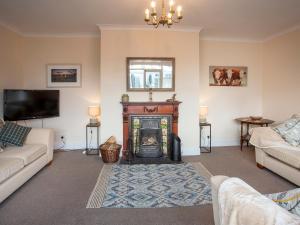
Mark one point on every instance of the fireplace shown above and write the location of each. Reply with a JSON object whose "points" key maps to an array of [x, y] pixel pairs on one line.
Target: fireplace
{"points": [[150, 138], [147, 128], [150, 135]]}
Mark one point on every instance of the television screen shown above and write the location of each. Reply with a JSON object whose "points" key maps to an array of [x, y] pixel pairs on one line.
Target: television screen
{"points": [[30, 104]]}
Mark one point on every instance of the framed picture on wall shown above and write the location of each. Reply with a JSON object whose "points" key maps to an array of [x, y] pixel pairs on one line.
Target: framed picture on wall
{"points": [[63, 75], [228, 76]]}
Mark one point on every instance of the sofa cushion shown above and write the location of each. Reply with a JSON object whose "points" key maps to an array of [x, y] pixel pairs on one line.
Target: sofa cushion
{"points": [[290, 200], [286, 125], [290, 131], [27, 153], [14, 134], [290, 157], [292, 136], [9, 167]]}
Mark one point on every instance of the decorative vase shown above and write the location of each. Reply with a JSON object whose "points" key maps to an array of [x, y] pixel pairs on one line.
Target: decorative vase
{"points": [[125, 98]]}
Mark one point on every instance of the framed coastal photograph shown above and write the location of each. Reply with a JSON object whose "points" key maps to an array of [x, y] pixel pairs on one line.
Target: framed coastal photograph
{"points": [[235, 76], [64, 75]]}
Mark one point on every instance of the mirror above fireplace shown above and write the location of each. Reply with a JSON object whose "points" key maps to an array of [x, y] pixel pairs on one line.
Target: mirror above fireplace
{"points": [[157, 74]]}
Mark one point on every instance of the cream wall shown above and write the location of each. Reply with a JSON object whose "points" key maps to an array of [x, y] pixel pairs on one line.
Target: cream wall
{"points": [[73, 101], [281, 70], [10, 62], [273, 82], [227, 103], [117, 45]]}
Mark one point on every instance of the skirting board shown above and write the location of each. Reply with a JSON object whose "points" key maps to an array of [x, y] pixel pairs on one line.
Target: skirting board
{"points": [[185, 151]]}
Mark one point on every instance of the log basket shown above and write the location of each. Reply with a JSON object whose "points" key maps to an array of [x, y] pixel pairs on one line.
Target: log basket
{"points": [[110, 151]]}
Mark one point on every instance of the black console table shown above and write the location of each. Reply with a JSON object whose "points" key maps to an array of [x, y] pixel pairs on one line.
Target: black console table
{"points": [[88, 149], [205, 149]]}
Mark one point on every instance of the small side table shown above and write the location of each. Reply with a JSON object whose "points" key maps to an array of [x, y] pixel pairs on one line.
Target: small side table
{"points": [[205, 149], [89, 150], [247, 121]]}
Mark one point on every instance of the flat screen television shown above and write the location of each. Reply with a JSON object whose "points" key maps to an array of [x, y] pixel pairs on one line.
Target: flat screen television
{"points": [[30, 104]]}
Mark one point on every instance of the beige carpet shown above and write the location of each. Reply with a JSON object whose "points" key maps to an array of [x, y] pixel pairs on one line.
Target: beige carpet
{"points": [[58, 194]]}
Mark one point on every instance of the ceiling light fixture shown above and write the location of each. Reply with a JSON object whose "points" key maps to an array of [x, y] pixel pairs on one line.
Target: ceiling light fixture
{"points": [[166, 18]]}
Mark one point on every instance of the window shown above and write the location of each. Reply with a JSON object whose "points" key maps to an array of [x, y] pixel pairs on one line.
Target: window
{"points": [[155, 73]]}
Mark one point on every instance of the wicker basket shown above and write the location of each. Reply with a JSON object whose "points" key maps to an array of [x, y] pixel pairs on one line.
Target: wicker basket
{"points": [[111, 154]]}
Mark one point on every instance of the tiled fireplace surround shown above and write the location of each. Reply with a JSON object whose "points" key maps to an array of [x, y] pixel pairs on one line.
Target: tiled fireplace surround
{"points": [[135, 112]]}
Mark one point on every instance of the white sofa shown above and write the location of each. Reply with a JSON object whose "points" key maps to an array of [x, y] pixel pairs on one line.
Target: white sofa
{"points": [[216, 181], [272, 152], [246, 206], [19, 164]]}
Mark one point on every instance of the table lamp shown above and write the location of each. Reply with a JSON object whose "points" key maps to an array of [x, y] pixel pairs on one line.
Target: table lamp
{"points": [[94, 112], [203, 114]]}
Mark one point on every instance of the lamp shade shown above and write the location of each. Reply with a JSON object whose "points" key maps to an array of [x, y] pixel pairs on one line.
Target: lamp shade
{"points": [[203, 113], [94, 111]]}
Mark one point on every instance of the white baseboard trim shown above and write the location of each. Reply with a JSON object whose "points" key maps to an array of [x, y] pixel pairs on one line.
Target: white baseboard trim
{"points": [[221, 143], [188, 151]]}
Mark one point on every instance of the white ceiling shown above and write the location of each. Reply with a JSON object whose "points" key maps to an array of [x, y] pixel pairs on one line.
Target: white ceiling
{"points": [[220, 19]]}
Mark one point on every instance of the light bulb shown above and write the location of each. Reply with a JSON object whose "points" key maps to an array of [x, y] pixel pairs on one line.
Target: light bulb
{"points": [[147, 14], [153, 4], [171, 3], [153, 8], [179, 12]]}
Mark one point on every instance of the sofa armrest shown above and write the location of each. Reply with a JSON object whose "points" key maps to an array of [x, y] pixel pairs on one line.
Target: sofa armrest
{"points": [[239, 203], [216, 181], [42, 136], [260, 156]]}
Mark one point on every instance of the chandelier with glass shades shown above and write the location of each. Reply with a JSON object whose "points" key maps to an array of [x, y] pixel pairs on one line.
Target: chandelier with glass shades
{"points": [[167, 17]]}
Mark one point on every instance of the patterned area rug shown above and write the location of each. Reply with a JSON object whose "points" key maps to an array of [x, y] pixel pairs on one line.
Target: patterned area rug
{"points": [[151, 186]]}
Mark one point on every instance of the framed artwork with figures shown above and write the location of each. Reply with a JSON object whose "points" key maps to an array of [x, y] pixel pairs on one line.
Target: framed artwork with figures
{"points": [[235, 76]]}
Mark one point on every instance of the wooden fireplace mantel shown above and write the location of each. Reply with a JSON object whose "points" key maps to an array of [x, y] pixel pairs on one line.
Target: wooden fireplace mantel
{"points": [[148, 108]]}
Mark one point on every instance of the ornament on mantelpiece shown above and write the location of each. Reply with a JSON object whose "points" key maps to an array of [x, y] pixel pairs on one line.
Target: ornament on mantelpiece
{"points": [[173, 99], [150, 95], [125, 98]]}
